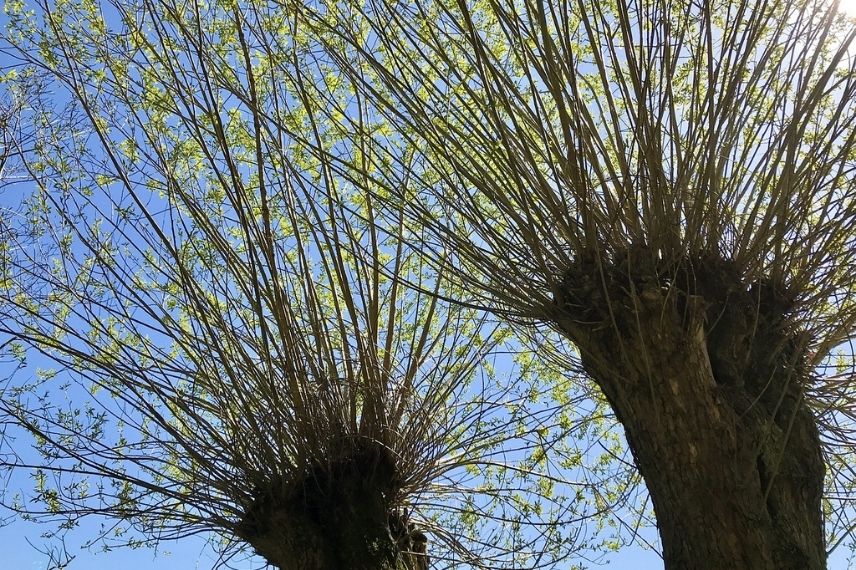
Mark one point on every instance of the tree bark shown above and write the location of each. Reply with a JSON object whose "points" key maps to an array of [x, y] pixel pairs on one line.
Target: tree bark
{"points": [[708, 388], [336, 515], [351, 534]]}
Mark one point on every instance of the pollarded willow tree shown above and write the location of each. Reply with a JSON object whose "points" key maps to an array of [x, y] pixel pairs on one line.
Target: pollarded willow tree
{"points": [[222, 348], [671, 185]]}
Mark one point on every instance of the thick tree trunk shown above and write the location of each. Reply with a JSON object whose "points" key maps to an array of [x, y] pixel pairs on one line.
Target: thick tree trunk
{"points": [[353, 533], [709, 390], [336, 515]]}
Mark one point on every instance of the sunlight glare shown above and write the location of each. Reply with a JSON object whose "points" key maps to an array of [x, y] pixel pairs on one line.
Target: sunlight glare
{"points": [[848, 7]]}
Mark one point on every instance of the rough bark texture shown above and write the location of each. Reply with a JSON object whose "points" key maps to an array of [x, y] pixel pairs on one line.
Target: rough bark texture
{"points": [[336, 515], [706, 374]]}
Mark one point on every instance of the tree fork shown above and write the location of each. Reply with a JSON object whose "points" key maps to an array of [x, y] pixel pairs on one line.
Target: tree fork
{"points": [[706, 375]]}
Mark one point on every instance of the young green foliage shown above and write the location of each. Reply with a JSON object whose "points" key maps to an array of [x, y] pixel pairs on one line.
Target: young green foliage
{"points": [[235, 347]]}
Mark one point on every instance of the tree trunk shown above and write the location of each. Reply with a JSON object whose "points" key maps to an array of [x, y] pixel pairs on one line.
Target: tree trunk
{"points": [[336, 515], [707, 381], [351, 534]]}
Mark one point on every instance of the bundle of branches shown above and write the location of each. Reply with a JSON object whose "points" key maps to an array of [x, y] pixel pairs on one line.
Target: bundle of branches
{"points": [[229, 351], [670, 185], [15, 138]]}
